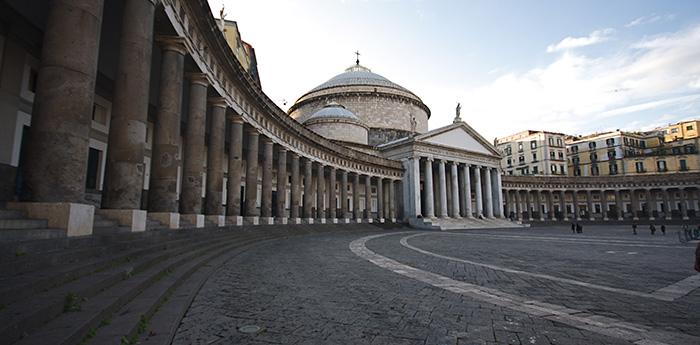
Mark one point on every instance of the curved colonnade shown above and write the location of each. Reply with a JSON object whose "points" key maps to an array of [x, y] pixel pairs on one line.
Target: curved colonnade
{"points": [[646, 197]]}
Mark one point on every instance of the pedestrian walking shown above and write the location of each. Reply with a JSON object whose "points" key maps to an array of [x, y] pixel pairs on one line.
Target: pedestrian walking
{"points": [[579, 228], [634, 228], [652, 228], [573, 227], [663, 229]]}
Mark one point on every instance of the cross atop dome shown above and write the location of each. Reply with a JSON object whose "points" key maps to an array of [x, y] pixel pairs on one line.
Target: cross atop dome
{"points": [[357, 61]]}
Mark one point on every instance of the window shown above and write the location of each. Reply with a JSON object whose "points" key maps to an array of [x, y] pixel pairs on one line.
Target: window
{"points": [[521, 159], [613, 168], [661, 166], [510, 172], [553, 168], [551, 141], [561, 170], [689, 149], [535, 170], [33, 76], [593, 156], [533, 144], [577, 171], [575, 160], [508, 150], [534, 157], [626, 141], [520, 147], [594, 170], [643, 144], [676, 150], [509, 162], [674, 130], [689, 128], [611, 154], [561, 155], [639, 166], [93, 168], [683, 165], [552, 155], [574, 148], [559, 143], [591, 145], [610, 141]]}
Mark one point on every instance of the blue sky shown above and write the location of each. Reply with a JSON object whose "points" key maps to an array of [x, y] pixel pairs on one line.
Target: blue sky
{"points": [[573, 67]]}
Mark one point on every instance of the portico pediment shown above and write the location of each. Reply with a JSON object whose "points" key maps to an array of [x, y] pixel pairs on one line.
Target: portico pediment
{"points": [[459, 136]]}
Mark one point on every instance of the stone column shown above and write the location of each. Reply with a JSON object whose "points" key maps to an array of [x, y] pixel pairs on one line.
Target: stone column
{"points": [[392, 201], [412, 194], [589, 200], [478, 195], [443, 189], [266, 197], [574, 199], [344, 211], [488, 192], [509, 203], [321, 193], [634, 203], [604, 204], [193, 163], [668, 213], [215, 162], [295, 194], [618, 205], [528, 203], [124, 173], [455, 190], [467, 192], [281, 202], [538, 195], [518, 206], [308, 201], [332, 195], [251, 177], [57, 148], [428, 188], [235, 172], [562, 205], [356, 212], [368, 198], [550, 205], [162, 193], [684, 204], [380, 199], [651, 204], [499, 193]]}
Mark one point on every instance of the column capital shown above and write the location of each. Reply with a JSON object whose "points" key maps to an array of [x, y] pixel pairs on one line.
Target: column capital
{"points": [[218, 102], [282, 149], [252, 130], [266, 140], [430, 159], [172, 43], [237, 119], [198, 78]]}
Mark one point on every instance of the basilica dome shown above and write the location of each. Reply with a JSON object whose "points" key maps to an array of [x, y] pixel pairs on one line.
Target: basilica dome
{"points": [[335, 122], [388, 110]]}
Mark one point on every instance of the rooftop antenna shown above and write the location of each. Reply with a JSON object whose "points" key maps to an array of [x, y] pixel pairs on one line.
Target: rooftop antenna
{"points": [[357, 61]]}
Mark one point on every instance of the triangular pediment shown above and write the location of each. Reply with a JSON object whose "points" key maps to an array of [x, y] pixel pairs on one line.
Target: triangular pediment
{"points": [[459, 136]]}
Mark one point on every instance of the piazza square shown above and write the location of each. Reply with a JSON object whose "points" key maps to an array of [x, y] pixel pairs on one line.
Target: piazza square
{"points": [[158, 185]]}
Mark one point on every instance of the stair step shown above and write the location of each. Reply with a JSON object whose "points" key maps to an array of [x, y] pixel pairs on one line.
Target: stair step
{"points": [[16, 235], [12, 214], [71, 327], [19, 318], [104, 223], [19, 223]]}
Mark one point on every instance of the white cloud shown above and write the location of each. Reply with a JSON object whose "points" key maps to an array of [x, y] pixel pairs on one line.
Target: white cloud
{"points": [[653, 18], [595, 37], [578, 93]]}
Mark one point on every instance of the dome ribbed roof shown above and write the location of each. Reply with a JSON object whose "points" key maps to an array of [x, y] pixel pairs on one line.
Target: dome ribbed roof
{"points": [[359, 75], [333, 110]]}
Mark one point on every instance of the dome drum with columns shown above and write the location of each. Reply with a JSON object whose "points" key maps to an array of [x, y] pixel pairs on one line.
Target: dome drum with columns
{"points": [[337, 123], [386, 108]]}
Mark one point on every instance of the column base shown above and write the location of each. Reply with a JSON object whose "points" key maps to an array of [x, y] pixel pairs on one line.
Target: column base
{"points": [[193, 218], [668, 218], [393, 220], [635, 218], [566, 219], [620, 218], [686, 218], [294, 220], [591, 219], [345, 220], [267, 221], [307, 221], [169, 219], [541, 219], [652, 218], [380, 220], [234, 220], [281, 220], [333, 220], [320, 220], [605, 218], [76, 219], [358, 220], [134, 219], [218, 220], [369, 220], [252, 220]]}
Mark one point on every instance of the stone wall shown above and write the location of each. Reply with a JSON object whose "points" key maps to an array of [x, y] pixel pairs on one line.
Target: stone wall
{"points": [[378, 136], [339, 130]]}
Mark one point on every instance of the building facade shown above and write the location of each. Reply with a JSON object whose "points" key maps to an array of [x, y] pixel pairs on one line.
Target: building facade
{"points": [[530, 152]]}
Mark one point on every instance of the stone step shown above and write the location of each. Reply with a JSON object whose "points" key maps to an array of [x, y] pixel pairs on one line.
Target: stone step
{"points": [[72, 327], [20, 223], [19, 235], [12, 214], [23, 318], [124, 324]]}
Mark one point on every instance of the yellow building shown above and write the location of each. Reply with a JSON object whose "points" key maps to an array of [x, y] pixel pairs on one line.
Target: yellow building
{"points": [[243, 51], [681, 130], [680, 155], [602, 154]]}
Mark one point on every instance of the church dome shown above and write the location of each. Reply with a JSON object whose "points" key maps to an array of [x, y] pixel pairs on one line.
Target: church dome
{"points": [[359, 75], [333, 110]]}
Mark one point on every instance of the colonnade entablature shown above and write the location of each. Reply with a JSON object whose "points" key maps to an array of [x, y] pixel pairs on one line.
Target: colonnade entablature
{"points": [[210, 52]]}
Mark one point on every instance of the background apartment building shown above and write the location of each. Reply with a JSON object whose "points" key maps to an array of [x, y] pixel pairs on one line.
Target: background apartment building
{"points": [[533, 153]]}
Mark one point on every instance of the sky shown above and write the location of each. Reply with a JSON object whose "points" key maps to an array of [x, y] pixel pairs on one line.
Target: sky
{"points": [[575, 67]]}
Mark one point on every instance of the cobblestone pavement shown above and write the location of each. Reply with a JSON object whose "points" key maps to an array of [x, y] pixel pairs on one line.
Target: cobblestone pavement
{"points": [[315, 290]]}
